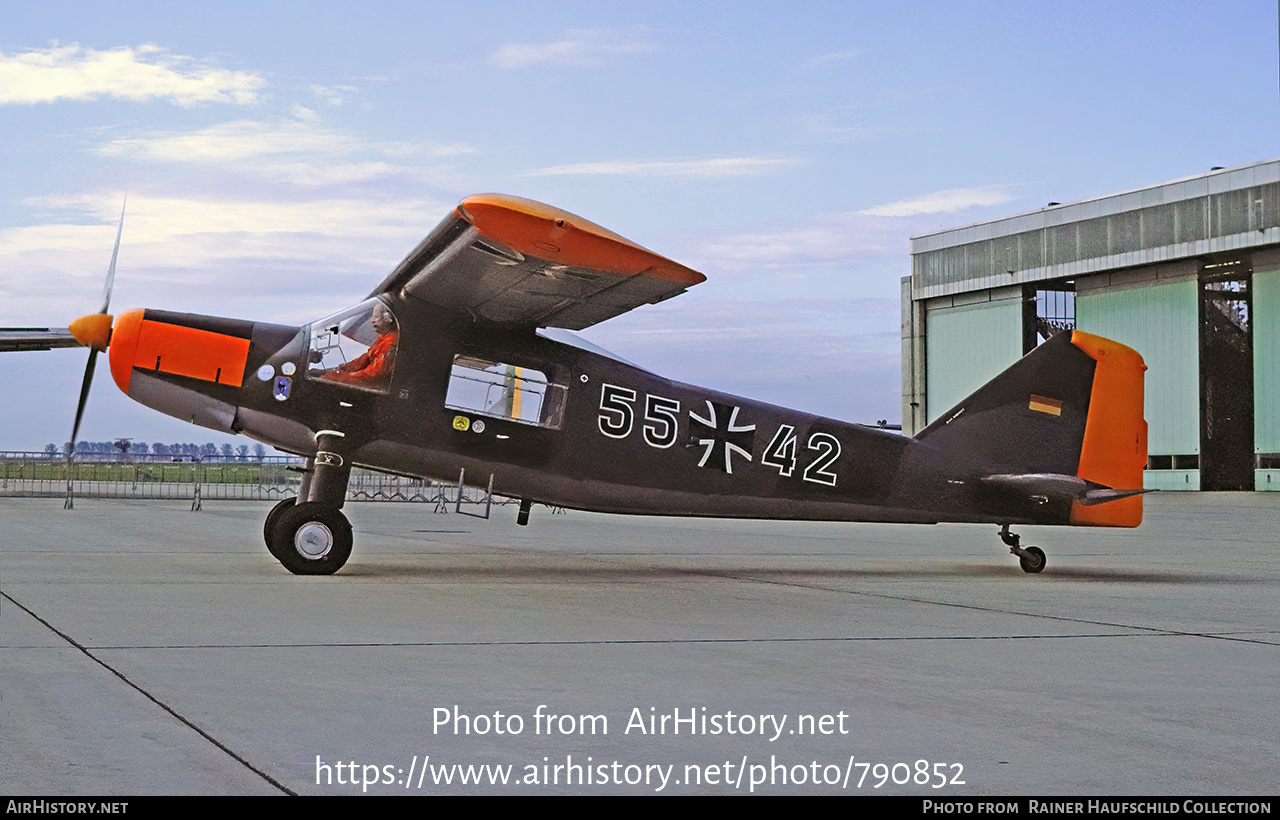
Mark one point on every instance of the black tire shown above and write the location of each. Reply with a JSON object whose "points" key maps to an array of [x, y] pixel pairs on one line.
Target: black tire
{"points": [[1034, 561], [270, 524], [311, 539]]}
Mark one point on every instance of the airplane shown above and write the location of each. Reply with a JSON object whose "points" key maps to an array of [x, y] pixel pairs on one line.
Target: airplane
{"points": [[459, 365]]}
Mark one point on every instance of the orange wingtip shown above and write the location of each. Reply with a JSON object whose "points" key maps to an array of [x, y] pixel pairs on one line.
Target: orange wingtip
{"points": [[1114, 451], [541, 231]]}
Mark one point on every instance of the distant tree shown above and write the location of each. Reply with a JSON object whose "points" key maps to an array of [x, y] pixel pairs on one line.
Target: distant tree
{"points": [[243, 451], [139, 448], [209, 449], [160, 449], [51, 450], [228, 452], [259, 452]]}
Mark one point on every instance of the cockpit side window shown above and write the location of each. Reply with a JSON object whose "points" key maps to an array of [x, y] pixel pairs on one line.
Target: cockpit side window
{"points": [[356, 347]]}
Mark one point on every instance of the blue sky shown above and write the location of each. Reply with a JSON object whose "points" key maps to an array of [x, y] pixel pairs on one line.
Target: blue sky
{"points": [[280, 158]]}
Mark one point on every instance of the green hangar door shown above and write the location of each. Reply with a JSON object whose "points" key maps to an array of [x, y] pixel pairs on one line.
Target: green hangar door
{"points": [[1226, 377]]}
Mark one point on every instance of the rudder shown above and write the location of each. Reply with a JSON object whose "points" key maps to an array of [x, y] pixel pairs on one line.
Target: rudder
{"points": [[1114, 450]]}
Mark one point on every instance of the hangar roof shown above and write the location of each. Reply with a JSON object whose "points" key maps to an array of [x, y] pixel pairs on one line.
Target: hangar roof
{"points": [[1226, 209]]}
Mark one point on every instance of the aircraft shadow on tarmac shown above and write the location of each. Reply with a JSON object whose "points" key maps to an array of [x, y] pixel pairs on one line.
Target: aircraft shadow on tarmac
{"points": [[476, 569]]}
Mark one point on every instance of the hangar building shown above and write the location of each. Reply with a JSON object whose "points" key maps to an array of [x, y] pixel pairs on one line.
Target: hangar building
{"points": [[1185, 272]]}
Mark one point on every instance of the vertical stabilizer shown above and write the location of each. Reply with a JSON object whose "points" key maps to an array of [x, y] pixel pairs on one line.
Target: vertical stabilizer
{"points": [[1058, 437], [1114, 451]]}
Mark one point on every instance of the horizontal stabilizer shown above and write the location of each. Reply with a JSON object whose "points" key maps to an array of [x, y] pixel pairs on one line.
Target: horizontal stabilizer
{"points": [[1058, 486], [1104, 494]]}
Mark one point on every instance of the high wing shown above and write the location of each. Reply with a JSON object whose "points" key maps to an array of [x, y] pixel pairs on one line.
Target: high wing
{"points": [[512, 262], [35, 338]]}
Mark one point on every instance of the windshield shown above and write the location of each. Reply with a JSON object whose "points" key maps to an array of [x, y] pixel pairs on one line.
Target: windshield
{"points": [[356, 347]]}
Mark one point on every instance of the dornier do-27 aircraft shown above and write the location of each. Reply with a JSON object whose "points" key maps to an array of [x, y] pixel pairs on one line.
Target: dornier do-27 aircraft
{"points": [[446, 369]]}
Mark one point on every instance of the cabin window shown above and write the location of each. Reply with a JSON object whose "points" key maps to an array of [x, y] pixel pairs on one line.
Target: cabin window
{"points": [[355, 348], [506, 391]]}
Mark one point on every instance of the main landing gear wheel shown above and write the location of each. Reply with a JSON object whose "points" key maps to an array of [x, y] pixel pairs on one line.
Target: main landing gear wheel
{"points": [[311, 539], [273, 518], [1033, 561]]}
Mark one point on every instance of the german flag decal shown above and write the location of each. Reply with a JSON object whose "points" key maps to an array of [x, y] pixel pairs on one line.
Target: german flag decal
{"points": [[1041, 404]]}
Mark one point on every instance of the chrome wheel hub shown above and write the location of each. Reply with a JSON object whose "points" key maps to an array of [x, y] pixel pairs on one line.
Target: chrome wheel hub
{"points": [[313, 540]]}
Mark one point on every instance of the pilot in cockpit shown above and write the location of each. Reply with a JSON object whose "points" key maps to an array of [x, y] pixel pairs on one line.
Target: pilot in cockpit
{"points": [[373, 367]]}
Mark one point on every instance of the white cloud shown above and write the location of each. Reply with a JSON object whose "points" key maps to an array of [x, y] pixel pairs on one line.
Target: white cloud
{"points": [[730, 317], [334, 95], [790, 250], [301, 151], [867, 249], [231, 141], [680, 168], [318, 174], [576, 47], [156, 218], [148, 72], [265, 259], [949, 201]]}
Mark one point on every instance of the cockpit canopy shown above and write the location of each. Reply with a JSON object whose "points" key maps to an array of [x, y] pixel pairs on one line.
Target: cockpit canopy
{"points": [[355, 347]]}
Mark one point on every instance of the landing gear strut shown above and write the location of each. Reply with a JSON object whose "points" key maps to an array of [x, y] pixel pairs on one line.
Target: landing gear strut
{"points": [[309, 534], [1031, 558]]}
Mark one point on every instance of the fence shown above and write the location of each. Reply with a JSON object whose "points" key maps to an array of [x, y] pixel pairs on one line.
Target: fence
{"points": [[196, 479]]}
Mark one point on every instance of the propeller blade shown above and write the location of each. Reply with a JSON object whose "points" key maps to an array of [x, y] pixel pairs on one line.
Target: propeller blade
{"points": [[99, 333], [111, 271], [84, 397]]}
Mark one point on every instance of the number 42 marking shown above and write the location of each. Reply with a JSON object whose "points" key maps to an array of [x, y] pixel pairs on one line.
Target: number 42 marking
{"points": [[781, 455]]}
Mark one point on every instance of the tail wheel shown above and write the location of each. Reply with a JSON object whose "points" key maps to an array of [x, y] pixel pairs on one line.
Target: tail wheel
{"points": [[1033, 561], [311, 539], [273, 518]]}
